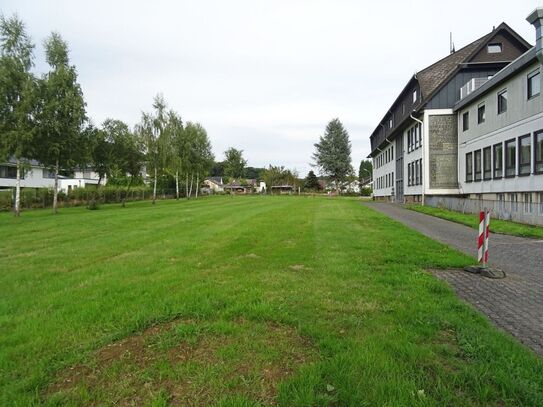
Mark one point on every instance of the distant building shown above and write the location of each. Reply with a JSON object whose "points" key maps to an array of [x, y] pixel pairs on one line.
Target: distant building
{"points": [[236, 188], [38, 176], [282, 189], [214, 184]]}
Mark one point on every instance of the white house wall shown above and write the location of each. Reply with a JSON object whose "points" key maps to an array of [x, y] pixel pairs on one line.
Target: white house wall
{"points": [[33, 178], [522, 117], [380, 172]]}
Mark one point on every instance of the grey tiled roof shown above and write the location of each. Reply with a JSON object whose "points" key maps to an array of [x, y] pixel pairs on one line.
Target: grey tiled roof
{"points": [[433, 76]]}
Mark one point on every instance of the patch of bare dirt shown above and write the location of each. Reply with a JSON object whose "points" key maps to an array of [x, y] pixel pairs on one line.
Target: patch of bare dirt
{"points": [[298, 267], [252, 256], [252, 361]]}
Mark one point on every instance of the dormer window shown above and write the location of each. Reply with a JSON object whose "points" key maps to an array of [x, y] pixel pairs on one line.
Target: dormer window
{"points": [[390, 123], [414, 96], [494, 48]]}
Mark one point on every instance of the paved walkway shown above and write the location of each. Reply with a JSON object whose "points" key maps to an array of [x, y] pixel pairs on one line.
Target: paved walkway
{"points": [[514, 303]]}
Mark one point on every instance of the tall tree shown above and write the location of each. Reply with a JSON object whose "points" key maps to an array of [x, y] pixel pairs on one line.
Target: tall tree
{"points": [[311, 182], [333, 153], [60, 141], [234, 163], [365, 170], [202, 156], [151, 130], [175, 148], [128, 150], [16, 96], [101, 157]]}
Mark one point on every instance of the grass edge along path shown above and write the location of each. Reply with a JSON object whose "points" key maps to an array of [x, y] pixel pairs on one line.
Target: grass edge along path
{"points": [[340, 285], [505, 227]]}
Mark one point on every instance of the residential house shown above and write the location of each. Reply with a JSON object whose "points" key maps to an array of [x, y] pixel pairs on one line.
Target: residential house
{"points": [[214, 184], [414, 147], [38, 176]]}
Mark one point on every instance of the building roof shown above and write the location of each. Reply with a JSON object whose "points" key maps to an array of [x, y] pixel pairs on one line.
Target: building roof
{"points": [[518, 64], [432, 78], [216, 180]]}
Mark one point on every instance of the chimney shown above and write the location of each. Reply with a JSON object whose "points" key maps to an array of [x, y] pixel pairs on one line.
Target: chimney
{"points": [[536, 19]]}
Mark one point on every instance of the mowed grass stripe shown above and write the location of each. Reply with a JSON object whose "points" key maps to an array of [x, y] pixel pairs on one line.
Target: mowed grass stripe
{"points": [[337, 278]]}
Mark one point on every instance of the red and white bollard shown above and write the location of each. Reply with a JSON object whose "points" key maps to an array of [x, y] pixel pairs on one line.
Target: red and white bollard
{"points": [[484, 233], [482, 250]]}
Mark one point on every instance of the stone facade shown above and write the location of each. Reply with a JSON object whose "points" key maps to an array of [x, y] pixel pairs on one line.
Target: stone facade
{"points": [[443, 151]]}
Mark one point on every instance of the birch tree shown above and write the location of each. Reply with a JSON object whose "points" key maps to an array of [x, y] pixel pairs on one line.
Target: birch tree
{"points": [[16, 96], [151, 129], [202, 155], [128, 152], [60, 141]]}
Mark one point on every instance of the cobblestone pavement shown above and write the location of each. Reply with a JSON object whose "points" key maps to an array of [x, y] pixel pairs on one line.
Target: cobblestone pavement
{"points": [[515, 303]]}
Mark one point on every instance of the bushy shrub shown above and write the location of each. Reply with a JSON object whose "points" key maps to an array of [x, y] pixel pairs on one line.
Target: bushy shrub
{"points": [[5, 200], [366, 191]]}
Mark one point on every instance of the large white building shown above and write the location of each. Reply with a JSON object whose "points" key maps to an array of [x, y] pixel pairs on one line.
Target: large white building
{"points": [[415, 145], [472, 136], [500, 137], [37, 176]]}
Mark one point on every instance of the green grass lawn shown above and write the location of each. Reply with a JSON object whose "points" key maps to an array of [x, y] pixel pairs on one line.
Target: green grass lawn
{"points": [[291, 301], [472, 220]]}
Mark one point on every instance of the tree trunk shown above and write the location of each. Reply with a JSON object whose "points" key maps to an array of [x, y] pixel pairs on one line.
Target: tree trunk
{"points": [[93, 203], [197, 184], [18, 190], [154, 187], [177, 185], [127, 190], [55, 191], [187, 186], [191, 181]]}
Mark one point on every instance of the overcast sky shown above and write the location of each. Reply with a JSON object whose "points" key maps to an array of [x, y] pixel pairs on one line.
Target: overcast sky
{"points": [[263, 76]]}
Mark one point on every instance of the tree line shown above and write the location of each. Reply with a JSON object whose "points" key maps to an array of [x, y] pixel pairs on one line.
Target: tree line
{"points": [[44, 118]]}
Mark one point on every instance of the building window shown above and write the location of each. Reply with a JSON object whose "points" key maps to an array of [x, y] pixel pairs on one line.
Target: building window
{"points": [[534, 84], [414, 96], [478, 166], [525, 155], [390, 122], [392, 152], [528, 203], [465, 121], [7, 171], [502, 101], [481, 113], [510, 155], [487, 163], [47, 173], [538, 152], [494, 48], [498, 160], [469, 167]]}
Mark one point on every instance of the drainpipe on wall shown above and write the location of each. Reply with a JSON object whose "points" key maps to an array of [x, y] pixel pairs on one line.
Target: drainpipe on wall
{"points": [[536, 19], [424, 141]]}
